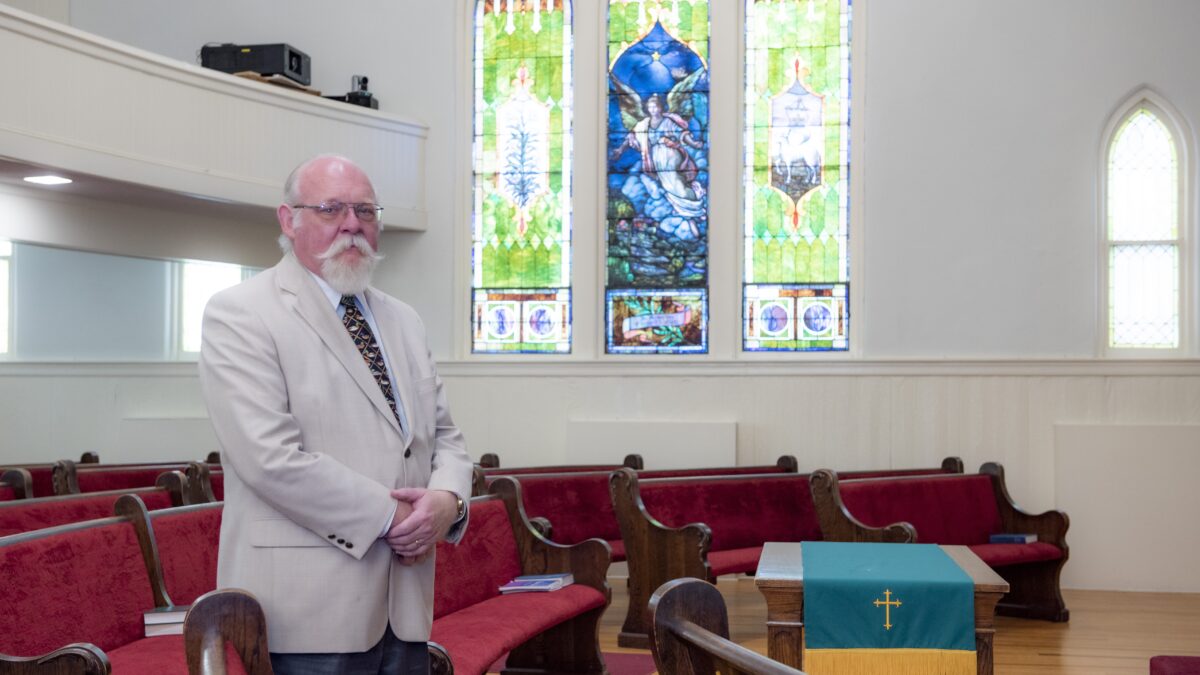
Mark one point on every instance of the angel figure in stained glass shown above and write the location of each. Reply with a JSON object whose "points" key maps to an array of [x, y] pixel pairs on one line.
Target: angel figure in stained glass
{"points": [[662, 137]]}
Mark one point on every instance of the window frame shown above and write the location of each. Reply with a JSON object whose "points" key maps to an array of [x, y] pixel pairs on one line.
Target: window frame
{"points": [[1184, 242], [588, 250]]}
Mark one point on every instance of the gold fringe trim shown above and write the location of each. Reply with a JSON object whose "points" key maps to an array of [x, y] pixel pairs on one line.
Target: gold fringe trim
{"points": [[889, 661]]}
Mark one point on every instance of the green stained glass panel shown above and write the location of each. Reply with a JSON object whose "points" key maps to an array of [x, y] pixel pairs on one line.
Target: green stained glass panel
{"points": [[521, 234], [796, 175]]}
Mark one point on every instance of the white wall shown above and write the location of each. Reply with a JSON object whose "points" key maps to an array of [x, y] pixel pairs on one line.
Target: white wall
{"points": [[979, 127], [977, 131]]}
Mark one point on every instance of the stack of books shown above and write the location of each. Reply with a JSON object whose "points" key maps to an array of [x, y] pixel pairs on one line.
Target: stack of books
{"points": [[538, 582], [165, 620]]}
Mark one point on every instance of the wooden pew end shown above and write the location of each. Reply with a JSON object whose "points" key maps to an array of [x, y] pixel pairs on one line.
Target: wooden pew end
{"points": [[689, 633], [228, 615]]}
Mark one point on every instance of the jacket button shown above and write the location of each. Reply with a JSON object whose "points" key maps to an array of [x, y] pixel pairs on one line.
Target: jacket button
{"points": [[341, 541], [332, 536], [407, 453], [349, 544]]}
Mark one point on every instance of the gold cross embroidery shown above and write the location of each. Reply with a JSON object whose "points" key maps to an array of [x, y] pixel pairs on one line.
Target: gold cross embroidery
{"points": [[887, 603]]}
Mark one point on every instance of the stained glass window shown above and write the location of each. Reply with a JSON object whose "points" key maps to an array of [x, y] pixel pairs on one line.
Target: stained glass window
{"points": [[796, 257], [1143, 234], [521, 235], [656, 295]]}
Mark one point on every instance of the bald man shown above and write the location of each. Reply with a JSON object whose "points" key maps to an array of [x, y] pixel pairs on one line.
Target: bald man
{"points": [[343, 465]]}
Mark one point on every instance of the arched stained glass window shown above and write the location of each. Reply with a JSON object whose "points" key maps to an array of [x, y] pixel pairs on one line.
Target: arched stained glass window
{"points": [[796, 256], [521, 234], [656, 295], [1143, 214]]}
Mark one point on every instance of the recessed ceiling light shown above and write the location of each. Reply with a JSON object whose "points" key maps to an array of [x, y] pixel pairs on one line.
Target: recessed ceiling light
{"points": [[48, 180]]}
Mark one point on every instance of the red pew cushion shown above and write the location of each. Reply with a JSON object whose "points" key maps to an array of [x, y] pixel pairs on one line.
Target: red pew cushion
{"points": [[998, 555], [86, 585], [784, 507], [945, 510], [27, 516], [162, 655], [476, 636], [187, 545], [473, 571]]}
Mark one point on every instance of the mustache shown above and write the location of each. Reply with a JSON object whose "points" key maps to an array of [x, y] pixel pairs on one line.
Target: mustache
{"points": [[344, 243]]}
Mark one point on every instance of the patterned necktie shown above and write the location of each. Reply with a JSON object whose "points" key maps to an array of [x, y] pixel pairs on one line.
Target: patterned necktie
{"points": [[364, 339]]}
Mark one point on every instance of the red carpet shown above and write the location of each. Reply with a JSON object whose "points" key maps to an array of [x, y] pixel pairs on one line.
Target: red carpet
{"points": [[618, 663], [1174, 665]]}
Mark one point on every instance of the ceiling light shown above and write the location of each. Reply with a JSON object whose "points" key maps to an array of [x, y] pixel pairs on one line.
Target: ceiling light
{"points": [[48, 180]]}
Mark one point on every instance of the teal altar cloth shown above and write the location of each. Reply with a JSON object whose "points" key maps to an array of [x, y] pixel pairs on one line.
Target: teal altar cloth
{"points": [[864, 596]]}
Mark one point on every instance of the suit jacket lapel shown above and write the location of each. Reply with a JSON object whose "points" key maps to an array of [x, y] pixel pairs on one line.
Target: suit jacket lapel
{"points": [[314, 308]]}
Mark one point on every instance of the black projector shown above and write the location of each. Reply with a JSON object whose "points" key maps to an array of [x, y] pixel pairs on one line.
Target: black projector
{"points": [[266, 60]]}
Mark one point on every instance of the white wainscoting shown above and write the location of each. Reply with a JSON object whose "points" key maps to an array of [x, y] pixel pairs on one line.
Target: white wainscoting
{"points": [[157, 439], [1133, 497], [663, 444], [79, 102], [851, 415]]}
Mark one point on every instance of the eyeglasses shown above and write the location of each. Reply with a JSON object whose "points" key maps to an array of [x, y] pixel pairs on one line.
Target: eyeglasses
{"points": [[331, 211]]}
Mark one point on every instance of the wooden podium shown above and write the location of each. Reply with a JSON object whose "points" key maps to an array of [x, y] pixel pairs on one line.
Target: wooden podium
{"points": [[780, 578]]}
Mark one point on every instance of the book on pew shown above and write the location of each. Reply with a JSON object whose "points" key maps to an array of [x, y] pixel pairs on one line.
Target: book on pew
{"points": [[1013, 538], [164, 620], [538, 582]]}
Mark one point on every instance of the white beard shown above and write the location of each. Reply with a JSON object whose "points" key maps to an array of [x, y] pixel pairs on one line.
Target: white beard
{"points": [[349, 277]]}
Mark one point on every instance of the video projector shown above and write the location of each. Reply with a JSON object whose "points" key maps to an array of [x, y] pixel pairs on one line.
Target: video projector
{"points": [[277, 59]]}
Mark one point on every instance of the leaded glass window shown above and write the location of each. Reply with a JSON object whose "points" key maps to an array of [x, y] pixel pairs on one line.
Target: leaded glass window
{"points": [[656, 295], [1143, 214], [521, 235], [796, 257]]}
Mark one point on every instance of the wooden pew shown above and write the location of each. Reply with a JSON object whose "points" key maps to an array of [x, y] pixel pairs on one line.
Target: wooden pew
{"points": [[27, 515], [15, 484], [222, 624], [78, 583], [965, 510], [207, 482], [71, 478], [479, 480], [42, 474], [706, 526], [689, 634], [555, 632]]}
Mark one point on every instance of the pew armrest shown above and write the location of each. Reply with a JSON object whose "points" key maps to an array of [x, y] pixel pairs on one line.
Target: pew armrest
{"points": [[1050, 527], [80, 658], [587, 561], [838, 524], [226, 616]]}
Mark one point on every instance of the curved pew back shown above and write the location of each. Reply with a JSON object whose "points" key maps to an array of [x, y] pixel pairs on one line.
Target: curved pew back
{"points": [[483, 561], [185, 541], [689, 634], [973, 518], [70, 478], [27, 515], [83, 582]]}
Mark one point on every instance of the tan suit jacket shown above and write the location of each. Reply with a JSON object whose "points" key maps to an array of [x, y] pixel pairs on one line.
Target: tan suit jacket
{"points": [[311, 450]]}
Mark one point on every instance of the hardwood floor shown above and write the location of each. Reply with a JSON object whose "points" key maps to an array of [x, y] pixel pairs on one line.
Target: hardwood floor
{"points": [[1110, 633]]}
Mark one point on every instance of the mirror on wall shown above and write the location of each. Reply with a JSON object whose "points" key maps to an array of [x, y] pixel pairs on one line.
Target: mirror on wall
{"points": [[59, 304]]}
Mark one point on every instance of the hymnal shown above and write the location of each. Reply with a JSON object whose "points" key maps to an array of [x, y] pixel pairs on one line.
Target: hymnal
{"points": [[164, 620], [538, 582], [1013, 538]]}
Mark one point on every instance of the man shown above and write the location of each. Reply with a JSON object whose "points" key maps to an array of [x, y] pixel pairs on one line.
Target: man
{"points": [[344, 467]]}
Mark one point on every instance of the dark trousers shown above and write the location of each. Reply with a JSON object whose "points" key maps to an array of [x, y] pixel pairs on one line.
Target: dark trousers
{"points": [[391, 656]]}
